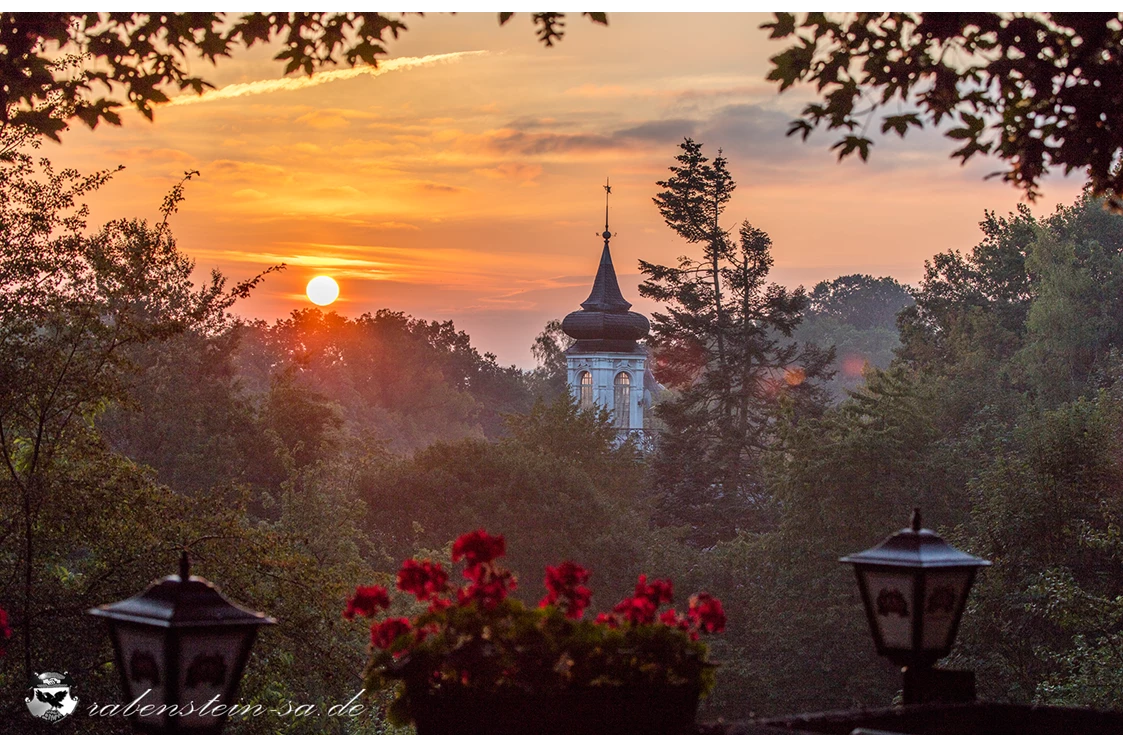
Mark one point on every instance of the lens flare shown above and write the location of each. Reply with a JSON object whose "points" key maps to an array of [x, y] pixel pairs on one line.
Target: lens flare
{"points": [[794, 376]]}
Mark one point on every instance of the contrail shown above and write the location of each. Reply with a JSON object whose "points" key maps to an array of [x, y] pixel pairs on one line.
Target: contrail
{"points": [[274, 85]]}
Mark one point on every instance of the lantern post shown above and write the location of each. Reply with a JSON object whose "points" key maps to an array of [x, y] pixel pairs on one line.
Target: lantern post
{"points": [[179, 646], [914, 587]]}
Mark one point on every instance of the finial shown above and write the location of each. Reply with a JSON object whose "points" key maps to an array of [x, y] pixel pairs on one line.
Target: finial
{"points": [[915, 522], [607, 191], [184, 566]]}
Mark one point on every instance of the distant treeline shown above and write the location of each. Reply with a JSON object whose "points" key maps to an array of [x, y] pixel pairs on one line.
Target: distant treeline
{"points": [[300, 458]]}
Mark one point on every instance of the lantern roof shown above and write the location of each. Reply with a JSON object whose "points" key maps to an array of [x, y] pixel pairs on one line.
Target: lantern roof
{"points": [[181, 600], [915, 548]]}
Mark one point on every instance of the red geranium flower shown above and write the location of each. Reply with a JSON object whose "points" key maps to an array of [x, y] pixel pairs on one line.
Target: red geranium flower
{"points": [[659, 591], [383, 635], [478, 547], [677, 620], [367, 601], [424, 580], [606, 619], [636, 610], [5, 631], [706, 613], [567, 582], [489, 586]]}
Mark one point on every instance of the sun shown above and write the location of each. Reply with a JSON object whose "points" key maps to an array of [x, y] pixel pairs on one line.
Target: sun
{"points": [[322, 290]]}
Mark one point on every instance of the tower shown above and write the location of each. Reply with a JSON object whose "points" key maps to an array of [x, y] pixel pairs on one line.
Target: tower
{"points": [[605, 365]]}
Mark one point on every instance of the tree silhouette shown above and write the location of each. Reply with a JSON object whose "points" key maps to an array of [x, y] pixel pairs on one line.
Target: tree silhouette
{"points": [[724, 345], [55, 64], [1037, 91]]}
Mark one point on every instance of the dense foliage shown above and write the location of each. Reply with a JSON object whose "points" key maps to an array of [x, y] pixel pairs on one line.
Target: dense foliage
{"points": [[80, 524], [1037, 90], [857, 316], [299, 458], [55, 64]]}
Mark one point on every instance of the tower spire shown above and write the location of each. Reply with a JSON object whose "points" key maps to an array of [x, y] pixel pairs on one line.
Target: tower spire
{"points": [[606, 367], [606, 295]]}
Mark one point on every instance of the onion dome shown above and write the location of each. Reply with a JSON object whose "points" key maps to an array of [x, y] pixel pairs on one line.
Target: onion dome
{"points": [[604, 323]]}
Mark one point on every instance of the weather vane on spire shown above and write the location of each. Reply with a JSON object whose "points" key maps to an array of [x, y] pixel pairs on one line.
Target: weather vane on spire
{"points": [[607, 191]]}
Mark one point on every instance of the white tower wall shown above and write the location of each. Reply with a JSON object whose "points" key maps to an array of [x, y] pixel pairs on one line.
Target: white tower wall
{"points": [[604, 367]]}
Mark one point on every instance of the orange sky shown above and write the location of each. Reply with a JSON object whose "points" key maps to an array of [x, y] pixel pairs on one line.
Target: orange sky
{"points": [[463, 180]]}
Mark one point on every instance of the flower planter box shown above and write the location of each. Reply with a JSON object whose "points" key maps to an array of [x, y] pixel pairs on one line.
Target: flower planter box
{"points": [[478, 661], [585, 711]]}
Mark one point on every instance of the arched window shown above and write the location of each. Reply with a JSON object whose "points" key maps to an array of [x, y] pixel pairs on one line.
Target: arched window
{"points": [[585, 395], [622, 401]]}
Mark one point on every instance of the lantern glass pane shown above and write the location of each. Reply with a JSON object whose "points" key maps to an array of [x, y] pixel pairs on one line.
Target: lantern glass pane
{"points": [[142, 656], [944, 595], [207, 662], [891, 595]]}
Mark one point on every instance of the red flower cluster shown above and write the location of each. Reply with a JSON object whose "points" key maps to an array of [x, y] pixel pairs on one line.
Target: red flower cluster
{"points": [[382, 635], [706, 613], [636, 610], [567, 582], [367, 601], [428, 582], [489, 585], [478, 548], [658, 592], [641, 607], [425, 580]]}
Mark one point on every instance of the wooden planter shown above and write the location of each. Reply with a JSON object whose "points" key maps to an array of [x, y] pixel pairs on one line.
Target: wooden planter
{"points": [[585, 711]]}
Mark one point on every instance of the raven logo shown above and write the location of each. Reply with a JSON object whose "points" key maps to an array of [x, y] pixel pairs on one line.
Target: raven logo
{"points": [[50, 696]]}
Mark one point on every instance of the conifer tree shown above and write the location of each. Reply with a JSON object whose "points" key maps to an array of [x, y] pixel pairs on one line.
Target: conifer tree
{"points": [[724, 346]]}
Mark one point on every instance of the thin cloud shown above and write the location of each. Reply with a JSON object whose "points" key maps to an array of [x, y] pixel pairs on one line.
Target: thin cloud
{"points": [[437, 187], [275, 85], [518, 172]]}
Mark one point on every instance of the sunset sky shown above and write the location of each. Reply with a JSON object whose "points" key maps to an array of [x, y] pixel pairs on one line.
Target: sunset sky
{"points": [[462, 180]]}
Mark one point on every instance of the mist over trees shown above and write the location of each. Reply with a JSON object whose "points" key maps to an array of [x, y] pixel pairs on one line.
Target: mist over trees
{"points": [[856, 315], [301, 457]]}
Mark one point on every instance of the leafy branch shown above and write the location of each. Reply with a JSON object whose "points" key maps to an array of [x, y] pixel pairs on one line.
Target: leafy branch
{"points": [[1035, 91]]}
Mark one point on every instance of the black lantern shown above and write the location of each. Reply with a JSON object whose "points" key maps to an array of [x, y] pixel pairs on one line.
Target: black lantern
{"points": [[914, 586], [180, 646]]}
